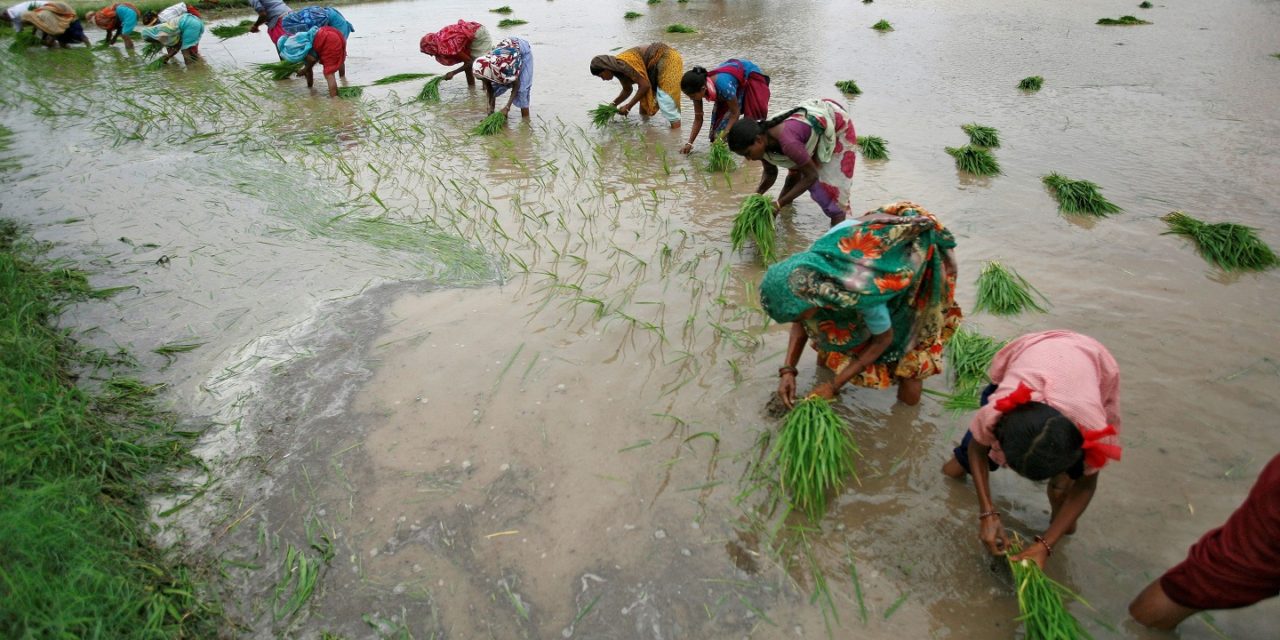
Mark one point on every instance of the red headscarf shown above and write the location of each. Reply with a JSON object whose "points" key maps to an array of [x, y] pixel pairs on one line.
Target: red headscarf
{"points": [[330, 48], [447, 43]]}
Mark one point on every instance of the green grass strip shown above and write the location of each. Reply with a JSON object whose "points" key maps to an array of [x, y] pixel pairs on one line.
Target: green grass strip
{"points": [[1001, 291], [1041, 603], [601, 115], [755, 222], [814, 454], [719, 158], [491, 124], [680, 28], [401, 77], [979, 162], [873, 147], [1079, 196], [1229, 246], [1031, 83], [982, 136], [849, 87]]}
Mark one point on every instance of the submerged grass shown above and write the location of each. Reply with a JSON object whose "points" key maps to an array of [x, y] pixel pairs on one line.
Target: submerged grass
{"points": [[979, 162], [680, 28], [430, 92], [873, 147], [1003, 292], [1122, 20], [631, 15], [1041, 602], [601, 115], [282, 70], [882, 26], [491, 124], [401, 77], [1031, 83], [75, 474], [1079, 196], [969, 355], [719, 158], [982, 136], [1230, 246], [225, 31], [755, 222], [814, 454], [511, 22], [849, 86]]}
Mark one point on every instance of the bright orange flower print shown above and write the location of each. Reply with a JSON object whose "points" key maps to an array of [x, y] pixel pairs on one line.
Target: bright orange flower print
{"points": [[868, 244], [893, 282], [835, 333]]}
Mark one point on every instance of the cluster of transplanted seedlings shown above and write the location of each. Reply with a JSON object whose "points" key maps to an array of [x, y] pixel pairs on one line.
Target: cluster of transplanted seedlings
{"points": [[755, 222], [601, 115]]}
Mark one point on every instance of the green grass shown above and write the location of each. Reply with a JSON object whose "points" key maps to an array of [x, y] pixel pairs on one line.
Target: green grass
{"points": [[979, 162], [631, 15], [1079, 196], [755, 222], [882, 26], [814, 454], [511, 22], [873, 147], [503, 10], [76, 469], [601, 115], [1041, 603], [1031, 83], [1001, 291], [225, 31], [401, 77], [719, 158], [982, 136], [282, 70], [1230, 246], [350, 92], [849, 87], [430, 92], [1145, 5], [969, 356], [492, 124], [680, 28], [1122, 20]]}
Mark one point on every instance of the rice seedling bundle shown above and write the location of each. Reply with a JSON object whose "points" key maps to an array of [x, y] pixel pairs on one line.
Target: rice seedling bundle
{"points": [[151, 49], [873, 147], [813, 453], [350, 92], [681, 28], [882, 26], [431, 90], [22, 40], [969, 355], [654, 1], [849, 86], [1122, 20], [719, 158], [511, 22], [1145, 5], [1041, 603], [632, 15], [601, 115], [1079, 196], [755, 221], [981, 136], [503, 10], [979, 162], [225, 31], [281, 70], [1003, 292], [1230, 246], [156, 64], [1031, 83], [492, 124], [401, 77]]}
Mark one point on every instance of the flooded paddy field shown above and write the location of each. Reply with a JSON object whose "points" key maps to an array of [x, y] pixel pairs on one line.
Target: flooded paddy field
{"points": [[514, 387]]}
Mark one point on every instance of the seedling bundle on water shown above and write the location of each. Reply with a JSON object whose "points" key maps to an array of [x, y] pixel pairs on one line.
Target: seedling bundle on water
{"points": [[1003, 292], [503, 10], [601, 115], [281, 70], [431, 90], [969, 355], [981, 136], [813, 455], [979, 162], [1079, 196], [873, 147], [681, 28], [1122, 20], [1145, 5], [350, 92], [492, 124], [1031, 83], [1040, 601], [511, 22], [719, 158], [401, 77], [225, 31], [849, 86], [632, 15], [882, 26], [1230, 246], [755, 221]]}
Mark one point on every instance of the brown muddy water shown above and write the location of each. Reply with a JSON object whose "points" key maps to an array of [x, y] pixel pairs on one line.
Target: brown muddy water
{"points": [[513, 387]]}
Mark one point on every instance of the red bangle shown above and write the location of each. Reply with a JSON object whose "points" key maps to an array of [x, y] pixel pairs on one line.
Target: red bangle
{"points": [[788, 369], [1047, 547], [986, 514]]}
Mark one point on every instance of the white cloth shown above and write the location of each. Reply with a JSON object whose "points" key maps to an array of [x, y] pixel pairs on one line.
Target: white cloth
{"points": [[16, 12], [171, 14]]}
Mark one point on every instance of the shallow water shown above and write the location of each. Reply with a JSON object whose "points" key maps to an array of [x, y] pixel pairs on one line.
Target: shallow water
{"points": [[492, 461]]}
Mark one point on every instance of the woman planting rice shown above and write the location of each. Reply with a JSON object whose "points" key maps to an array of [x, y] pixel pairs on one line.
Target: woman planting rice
{"points": [[296, 22], [814, 142], [318, 44], [118, 20], [182, 35], [269, 13], [736, 88], [875, 296], [508, 67], [57, 24], [14, 14], [172, 13], [653, 72], [1054, 415], [458, 44]]}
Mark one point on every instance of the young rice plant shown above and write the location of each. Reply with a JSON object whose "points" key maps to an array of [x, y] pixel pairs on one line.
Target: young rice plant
{"points": [[1001, 291], [350, 92], [1122, 20], [503, 10], [1079, 196], [719, 158], [755, 221], [601, 115], [401, 77], [813, 453], [1031, 83], [1145, 5], [882, 26], [430, 92], [511, 22], [849, 87], [631, 15], [979, 162], [681, 28], [224, 31], [1230, 246], [969, 355], [282, 70], [873, 147], [1044, 614], [492, 124], [982, 136]]}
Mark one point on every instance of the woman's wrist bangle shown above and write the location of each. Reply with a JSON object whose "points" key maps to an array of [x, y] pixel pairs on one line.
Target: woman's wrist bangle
{"points": [[788, 369], [986, 514], [1048, 548]]}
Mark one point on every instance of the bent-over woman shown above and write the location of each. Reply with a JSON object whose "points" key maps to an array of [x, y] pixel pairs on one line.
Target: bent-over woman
{"points": [[508, 67], [118, 20], [736, 88], [57, 24], [269, 13], [1051, 413], [14, 14], [875, 297], [296, 22], [182, 35], [814, 142], [653, 72], [324, 45], [458, 44]]}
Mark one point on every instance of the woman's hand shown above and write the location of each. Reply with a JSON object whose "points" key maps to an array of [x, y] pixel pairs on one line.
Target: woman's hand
{"points": [[450, 75], [1036, 553], [787, 389], [624, 110], [687, 148], [991, 533], [777, 206], [825, 390]]}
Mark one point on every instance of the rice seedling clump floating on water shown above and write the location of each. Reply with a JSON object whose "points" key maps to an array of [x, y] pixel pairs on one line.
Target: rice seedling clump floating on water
{"points": [[1230, 246], [681, 28], [1079, 196], [1122, 20], [979, 162], [755, 221], [1145, 5], [883, 25], [849, 86], [813, 453], [1031, 83], [719, 158], [632, 15], [654, 2], [225, 31], [401, 77], [281, 70], [511, 22], [873, 147], [601, 115], [492, 124], [431, 90], [969, 355], [350, 92], [1044, 614], [1003, 292], [980, 136], [503, 9]]}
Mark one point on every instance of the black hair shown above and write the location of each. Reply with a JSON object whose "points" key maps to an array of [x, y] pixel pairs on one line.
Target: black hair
{"points": [[1038, 441], [693, 81], [745, 131], [149, 17]]}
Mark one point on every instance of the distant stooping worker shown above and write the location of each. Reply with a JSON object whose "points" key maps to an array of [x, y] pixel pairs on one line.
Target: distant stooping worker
{"points": [[1052, 412], [181, 35], [508, 67], [459, 44], [735, 89], [56, 22], [653, 71], [324, 45], [269, 13], [296, 22], [14, 14], [814, 142], [118, 20], [170, 13], [1233, 566]]}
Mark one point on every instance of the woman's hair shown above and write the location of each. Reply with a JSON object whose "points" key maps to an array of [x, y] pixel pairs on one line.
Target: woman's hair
{"points": [[745, 130], [694, 80], [1038, 441], [150, 17]]}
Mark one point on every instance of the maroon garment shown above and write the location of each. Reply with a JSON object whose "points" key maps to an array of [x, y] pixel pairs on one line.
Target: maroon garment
{"points": [[1237, 564], [794, 138]]}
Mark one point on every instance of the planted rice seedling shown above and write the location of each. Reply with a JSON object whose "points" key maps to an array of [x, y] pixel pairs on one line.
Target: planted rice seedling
{"points": [[282, 70], [350, 92], [1145, 5], [1041, 602], [631, 15], [1229, 246], [755, 221], [982, 136], [1031, 83], [401, 77], [1079, 196], [504, 9], [849, 87], [601, 115], [969, 355], [511, 22], [225, 31], [1122, 20], [492, 124], [681, 28], [882, 26], [979, 162], [1003, 292], [719, 158], [431, 90], [813, 453], [873, 147]]}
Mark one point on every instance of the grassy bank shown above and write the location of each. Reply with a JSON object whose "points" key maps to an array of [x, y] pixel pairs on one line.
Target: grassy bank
{"points": [[75, 468]]}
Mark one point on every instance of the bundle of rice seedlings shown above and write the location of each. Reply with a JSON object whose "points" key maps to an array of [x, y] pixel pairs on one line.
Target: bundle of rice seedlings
{"points": [[1145, 5], [1122, 20], [849, 86], [873, 147], [492, 124], [631, 15], [401, 77], [151, 49], [158, 63], [883, 25], [969, 355], [681, 28], [979, 162], [225, 31], [1031, 83], [813, 453], [654, 1], [511, 22], [503, 10], [601, 115], [22, 40], [755, 221], [719, 158], [1230, 246], [1003, 292], [981, 136], [282, 70], [350, 92], [1041, 602], [1079, 196], [431, 90]]}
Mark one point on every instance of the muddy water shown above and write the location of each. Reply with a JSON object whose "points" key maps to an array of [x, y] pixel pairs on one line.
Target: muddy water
{"points": [[572, 433]]}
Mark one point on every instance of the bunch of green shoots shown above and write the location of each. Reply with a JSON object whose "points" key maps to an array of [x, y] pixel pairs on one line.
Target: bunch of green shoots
{"points": [[430, 92], [849, 86], [681, 28], [282, 70], [492, 124], [755, 221], [1122, 20], [982, 136], [969, 356], [882, 26], [225, 31], [1031, 83], [719, 158], [350, 92], [151, 49], [401, 77], [979, 162], [1041, 602], [1079, 196], [1230, 246], [1003, 292], [814, 454], [601, 115], [511, 22], [873, 147]]}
